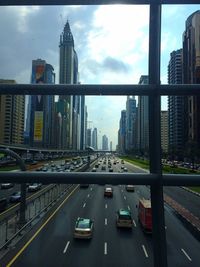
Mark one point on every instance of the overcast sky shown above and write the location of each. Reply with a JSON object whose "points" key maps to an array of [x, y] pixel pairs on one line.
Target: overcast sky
{"points": [[111, 43]]}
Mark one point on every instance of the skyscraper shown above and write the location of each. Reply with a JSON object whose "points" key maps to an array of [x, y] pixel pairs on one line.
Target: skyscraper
{"points": [[191, 75], [42, 107], [164, 130], [104, 142], [73, 127], [130, 123], [94, 139], [143, 120], [176, 105], [122, 132], [12, 108]]}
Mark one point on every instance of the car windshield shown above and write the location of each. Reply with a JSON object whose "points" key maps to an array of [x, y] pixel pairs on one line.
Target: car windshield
{"points": [[83, 224]]}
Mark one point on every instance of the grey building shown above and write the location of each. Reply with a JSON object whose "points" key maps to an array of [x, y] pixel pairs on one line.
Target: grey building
{"points": [[12, 109], [191, 75], [176, 106], [143, 120], [130, 142], [164, 130], [104, 142], [122, 132], [94, 139], [69, 75]]}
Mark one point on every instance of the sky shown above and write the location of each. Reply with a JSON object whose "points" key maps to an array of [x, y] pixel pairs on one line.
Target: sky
{"points": [[111, 43]]}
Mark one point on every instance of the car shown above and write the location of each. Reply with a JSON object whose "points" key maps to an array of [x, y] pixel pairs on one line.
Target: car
{"points": [[122, 161], [108, 192], [110, 169], [6, 185], [124, 218], [15, 197], [3, 204], [103, 168], [34, 187], [125, 169], [83, 228], [122, 167], [130, 188], [94, 169]]}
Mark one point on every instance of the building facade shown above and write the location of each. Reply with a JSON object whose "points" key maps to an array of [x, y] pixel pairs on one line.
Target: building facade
{"points": [[176, 106], [143, 120], [164, 130], [12, 110], [74, 132], [130, 143], [94, 139], [104, 142], [191, 75], [42, 108]]}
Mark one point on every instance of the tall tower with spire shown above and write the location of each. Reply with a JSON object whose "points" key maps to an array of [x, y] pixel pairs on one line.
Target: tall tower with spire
{"points": [[71, 111]]}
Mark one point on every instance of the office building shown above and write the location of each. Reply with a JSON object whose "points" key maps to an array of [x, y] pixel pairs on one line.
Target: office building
{"points": [[104, 142], [12, 109], [164, 130], [143, 120], [74, 111], [42, 108], [130, 123], [176, 106], [122, 132], [94, 139], [191, 75]]}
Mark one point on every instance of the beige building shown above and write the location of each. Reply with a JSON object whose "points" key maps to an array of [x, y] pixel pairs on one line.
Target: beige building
{"points": [[12, 108], [164, 130]]}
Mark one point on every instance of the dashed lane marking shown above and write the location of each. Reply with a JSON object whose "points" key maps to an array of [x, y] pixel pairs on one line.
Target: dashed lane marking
{"points": [[185, 253], [66, 247], [105, 248], [145, 252]]}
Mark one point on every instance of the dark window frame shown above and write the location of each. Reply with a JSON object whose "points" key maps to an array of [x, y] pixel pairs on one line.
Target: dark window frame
{"points": [[154, 90]]}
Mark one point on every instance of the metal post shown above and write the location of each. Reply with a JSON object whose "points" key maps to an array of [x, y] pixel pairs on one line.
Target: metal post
{"points": [[159, 236]]}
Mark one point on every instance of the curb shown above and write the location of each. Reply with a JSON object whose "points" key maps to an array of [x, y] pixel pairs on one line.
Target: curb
{"points": [[191, 191]]}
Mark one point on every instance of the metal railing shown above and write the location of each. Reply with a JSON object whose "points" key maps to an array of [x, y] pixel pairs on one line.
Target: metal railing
{"points": [[154, 90]]}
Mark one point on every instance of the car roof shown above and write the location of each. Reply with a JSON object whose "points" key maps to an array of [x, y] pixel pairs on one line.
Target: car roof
{"points": [[124, 212]]}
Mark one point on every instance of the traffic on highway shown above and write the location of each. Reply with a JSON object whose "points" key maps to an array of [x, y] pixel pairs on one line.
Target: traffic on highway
{"points": [[101, 225]]}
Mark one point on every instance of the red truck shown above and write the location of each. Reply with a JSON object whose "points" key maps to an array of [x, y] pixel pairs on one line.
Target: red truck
{"points": [[145, 215]]}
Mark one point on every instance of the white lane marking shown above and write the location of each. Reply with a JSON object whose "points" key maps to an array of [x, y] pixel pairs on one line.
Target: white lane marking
{"points": [[165, 227], [106, 206], [186, 254], [124, 197], [66, 247], [129, 208], [91, 189], [88, 195], [134, 223], [84, 205], [145, 252], [106, 221], [105, 248]]}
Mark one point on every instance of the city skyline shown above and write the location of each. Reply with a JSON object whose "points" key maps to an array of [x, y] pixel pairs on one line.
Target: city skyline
{"points": [[122, 56]]}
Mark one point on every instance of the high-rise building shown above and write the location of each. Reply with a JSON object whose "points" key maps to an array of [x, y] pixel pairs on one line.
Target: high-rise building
{"points": [[191, 75], [176, 106], [12, 109], [94, 139], [130, 123], [110, 145], [143, 120], [164, 130], [89, 137], [122, 132], [42, 108], [74, 110], [104, 142]]}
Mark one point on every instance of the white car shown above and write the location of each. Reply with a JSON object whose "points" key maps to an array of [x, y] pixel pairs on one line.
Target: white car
{"points": [[34, 187]]}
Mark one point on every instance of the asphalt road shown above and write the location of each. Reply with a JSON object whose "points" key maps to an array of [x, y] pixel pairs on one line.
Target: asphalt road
{"points": [[54, 245]]}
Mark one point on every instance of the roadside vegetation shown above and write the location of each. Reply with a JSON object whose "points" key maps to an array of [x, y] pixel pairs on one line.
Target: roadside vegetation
{"points": [[166, 169]]}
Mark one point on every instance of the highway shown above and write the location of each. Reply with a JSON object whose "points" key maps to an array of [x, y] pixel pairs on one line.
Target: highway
{"points": [[54, 245]]}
